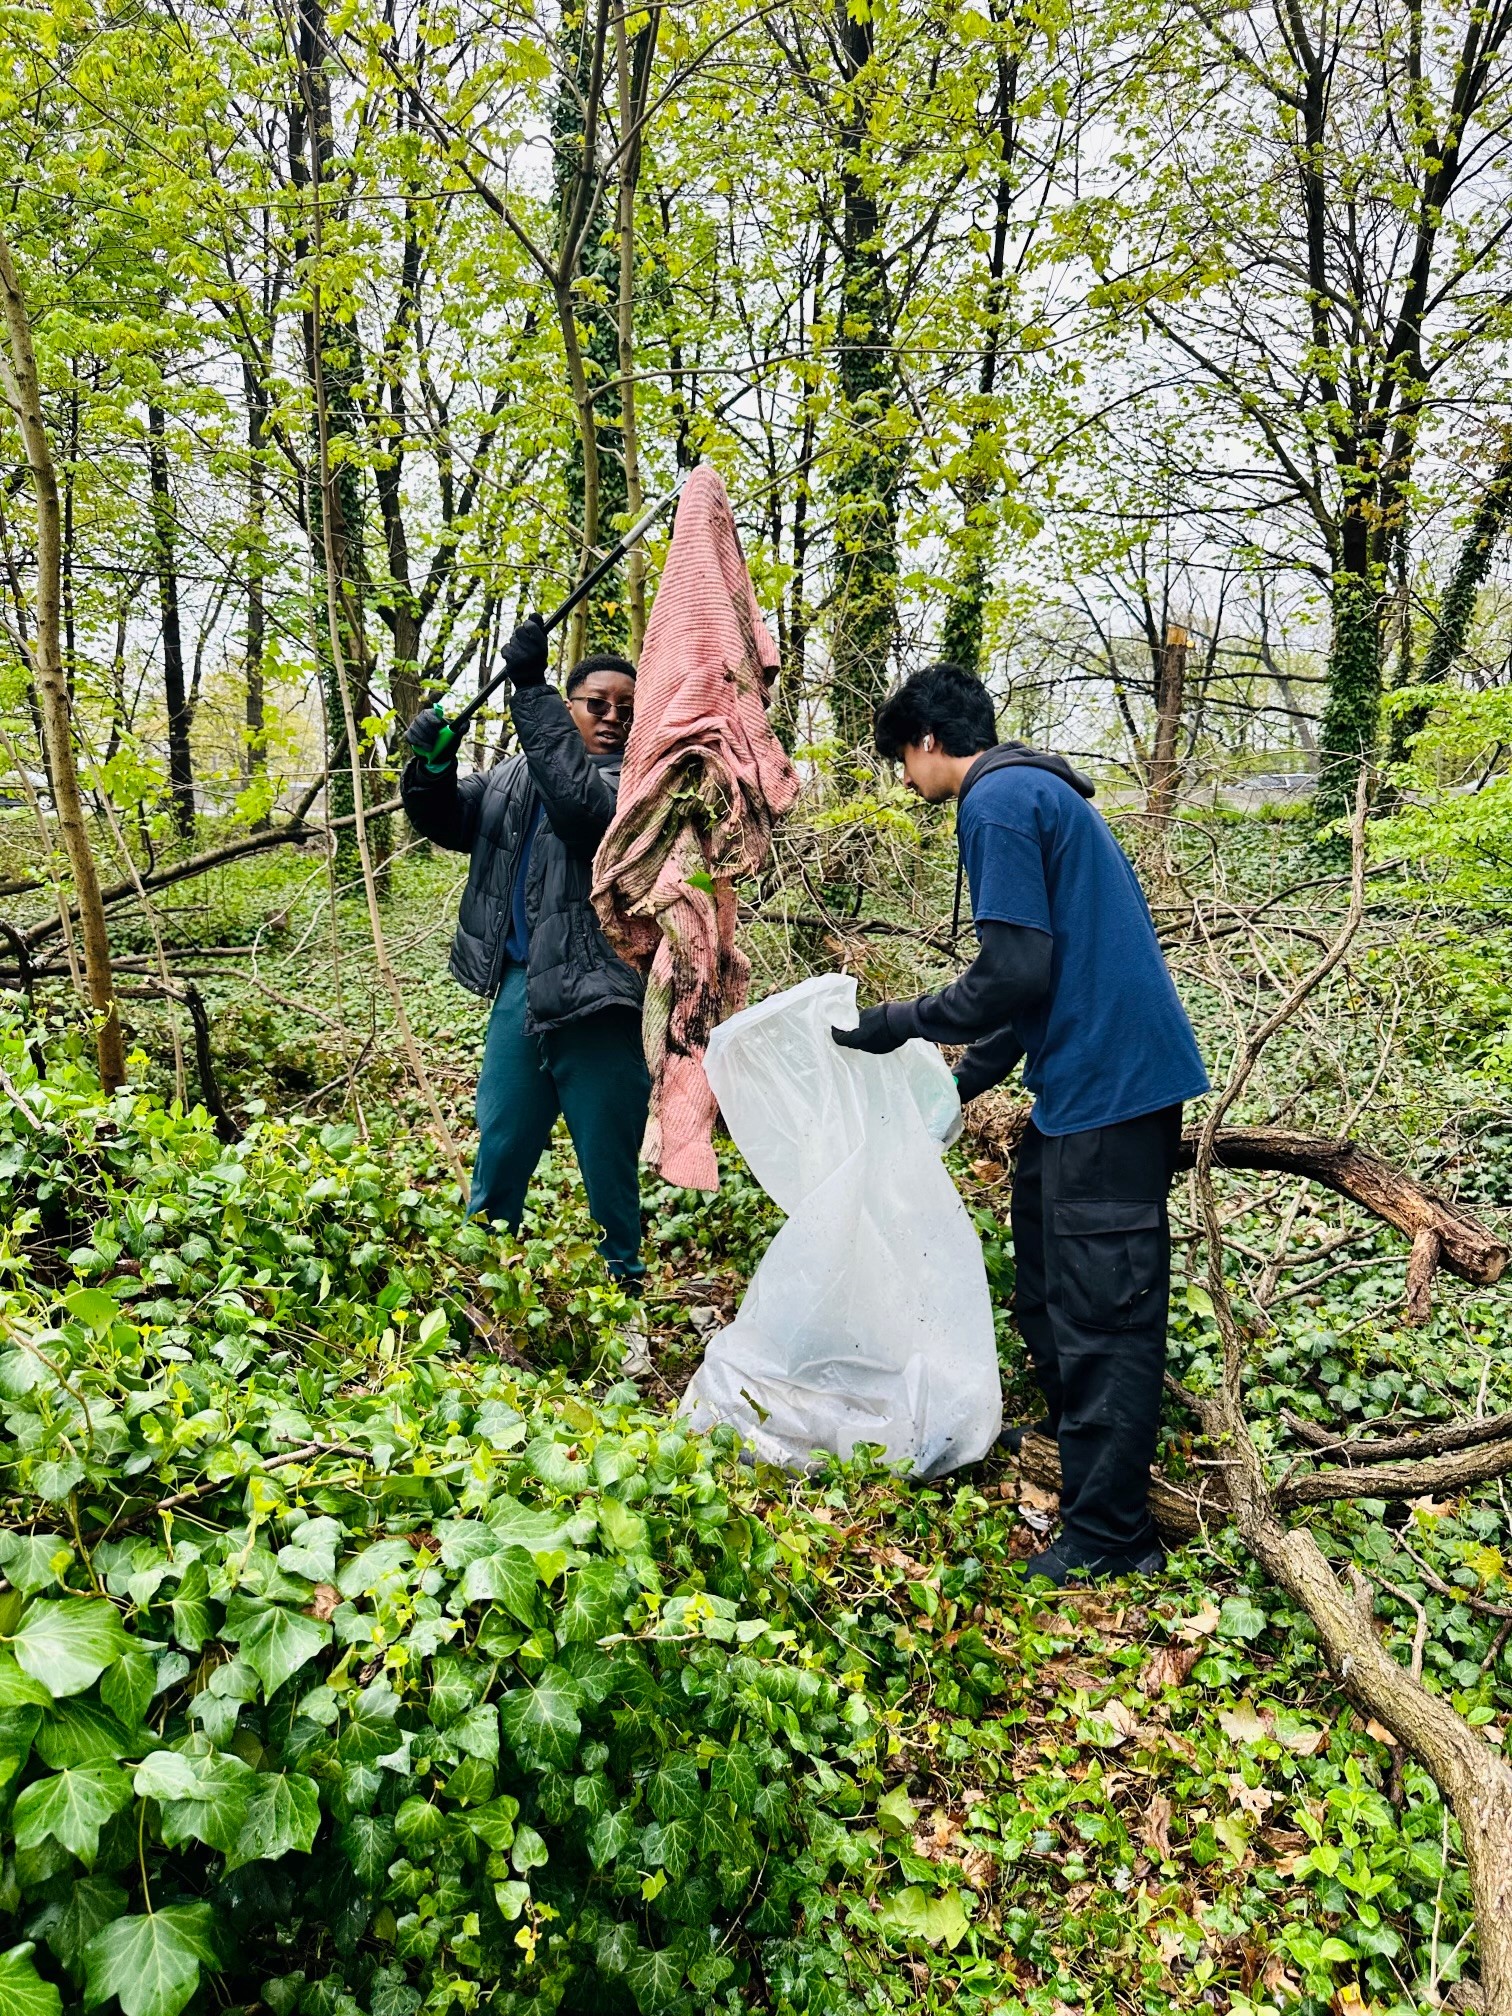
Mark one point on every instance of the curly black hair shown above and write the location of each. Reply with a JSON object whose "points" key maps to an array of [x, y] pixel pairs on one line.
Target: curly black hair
{"points": [[944, 701]]}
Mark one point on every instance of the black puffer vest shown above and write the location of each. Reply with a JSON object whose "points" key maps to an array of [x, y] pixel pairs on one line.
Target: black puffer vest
{"points": [[570, 970]]}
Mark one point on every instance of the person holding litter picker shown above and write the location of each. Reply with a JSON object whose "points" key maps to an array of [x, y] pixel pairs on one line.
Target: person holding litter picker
{"points": [[1070, 978], [564, 1035]]}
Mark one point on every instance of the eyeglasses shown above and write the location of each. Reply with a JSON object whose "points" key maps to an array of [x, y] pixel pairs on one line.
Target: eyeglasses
{"points": [[606, 710]]}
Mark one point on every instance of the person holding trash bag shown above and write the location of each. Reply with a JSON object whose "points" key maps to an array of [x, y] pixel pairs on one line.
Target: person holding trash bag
{"points": [[564, 1034], [1070, 977]]}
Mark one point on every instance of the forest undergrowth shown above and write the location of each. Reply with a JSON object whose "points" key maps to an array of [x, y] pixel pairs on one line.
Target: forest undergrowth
{"points": [[372, 1644]]}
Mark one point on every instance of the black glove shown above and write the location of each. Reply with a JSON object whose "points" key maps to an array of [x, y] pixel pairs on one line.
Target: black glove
{"points": [[525, 653], [873, 1034], [424, 732]]}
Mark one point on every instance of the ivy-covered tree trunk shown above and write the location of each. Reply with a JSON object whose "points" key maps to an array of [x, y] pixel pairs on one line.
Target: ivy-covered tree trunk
{"points": [[312, 156], [603, 624], [165, 559], [870, 452], [1351, 717], [964, 630], [256, 757], [1457, 608]]}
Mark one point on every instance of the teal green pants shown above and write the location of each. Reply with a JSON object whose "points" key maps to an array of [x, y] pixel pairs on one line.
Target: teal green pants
{"points": [[592, 1072]]}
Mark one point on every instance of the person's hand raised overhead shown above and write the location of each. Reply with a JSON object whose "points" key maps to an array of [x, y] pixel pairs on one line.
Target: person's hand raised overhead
{"points": [[526, 652]]}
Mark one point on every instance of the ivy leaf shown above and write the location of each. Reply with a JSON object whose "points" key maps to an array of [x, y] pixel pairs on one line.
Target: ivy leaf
{"points": [[541, 1716], [23, 1992], [282, 1813], [68, 1645], [68, 1927], [594, 1602], [1241, 1617], [668, 1844], [511, 1899], [623, 1529], [655, 1980], [673, 1790], [368, 1734], [735, 1773], [18, 1689], [71, 1808], [167, 1774], [368, 1842], [547, 1458], [128, 1687], [529, 1851], [34, 1561], [277, 1642], [508, 1577], [374, 1566], [150, 1964], [941, 1920], [192, 1623], [896, 1813], [477, 1734], [495, 1821], [464, 1541], [81, 1732], [610, 1835]]}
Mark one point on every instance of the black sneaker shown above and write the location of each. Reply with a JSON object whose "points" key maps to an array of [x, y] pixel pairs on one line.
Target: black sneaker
{"points": [[1062, 1562], [1012, 1439]]}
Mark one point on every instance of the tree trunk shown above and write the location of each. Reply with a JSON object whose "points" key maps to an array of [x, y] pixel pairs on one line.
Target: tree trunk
{"points": [[1457, 609], [866, 481], [1170, 697], [964, 630], [257, 614], [165, 559], [312, 155], [633, 73], [23, 394], [1347, 739], [595, 474]]}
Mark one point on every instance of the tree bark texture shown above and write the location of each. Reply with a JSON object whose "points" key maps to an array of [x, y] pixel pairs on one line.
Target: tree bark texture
{"points": [[1347, 737], [866, 478], [1170, 698]]}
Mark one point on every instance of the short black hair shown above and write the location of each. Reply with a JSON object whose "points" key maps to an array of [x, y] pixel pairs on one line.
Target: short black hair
{"points": [[599, 661], [943, 700]]}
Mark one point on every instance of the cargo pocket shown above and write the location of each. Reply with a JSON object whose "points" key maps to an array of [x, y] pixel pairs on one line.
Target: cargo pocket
{"points": [[1112, 1262]]}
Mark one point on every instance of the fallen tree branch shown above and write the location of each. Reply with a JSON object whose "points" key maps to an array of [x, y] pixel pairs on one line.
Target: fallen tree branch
{"points": [[295, 831], [1460, 1242], [1431, 1439], [1182, 1509]]}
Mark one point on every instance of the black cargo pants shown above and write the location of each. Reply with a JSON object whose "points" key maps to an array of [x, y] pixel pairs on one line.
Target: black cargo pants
{"points": [[1092, 1249]]}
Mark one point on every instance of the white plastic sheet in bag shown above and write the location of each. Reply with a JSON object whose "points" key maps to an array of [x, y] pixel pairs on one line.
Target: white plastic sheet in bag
{"points": [[868, 1319]]}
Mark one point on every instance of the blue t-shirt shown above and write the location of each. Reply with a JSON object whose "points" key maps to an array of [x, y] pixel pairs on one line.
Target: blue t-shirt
{"points": [[1111, 1040], [517, 937]]}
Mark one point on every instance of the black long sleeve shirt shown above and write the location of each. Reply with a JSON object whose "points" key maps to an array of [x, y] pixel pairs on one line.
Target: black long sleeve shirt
{"points": [[1010, 972]]}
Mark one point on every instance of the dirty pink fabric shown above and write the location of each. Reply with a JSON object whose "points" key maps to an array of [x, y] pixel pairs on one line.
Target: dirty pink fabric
{"points": [[704, 779]]}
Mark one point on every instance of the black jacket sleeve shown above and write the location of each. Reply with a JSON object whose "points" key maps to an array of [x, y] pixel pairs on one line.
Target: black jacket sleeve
{"points": [[442, 805], [579, 802], [1010, 973]]}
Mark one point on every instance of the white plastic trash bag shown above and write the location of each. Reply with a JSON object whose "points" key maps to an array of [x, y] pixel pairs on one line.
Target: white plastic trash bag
{"points": [[868, 1320]]}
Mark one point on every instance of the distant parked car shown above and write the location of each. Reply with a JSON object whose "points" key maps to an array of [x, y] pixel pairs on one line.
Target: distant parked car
{"points": [[1290, 783]]}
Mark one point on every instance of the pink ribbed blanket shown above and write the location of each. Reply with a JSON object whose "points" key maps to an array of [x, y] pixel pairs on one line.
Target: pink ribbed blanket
{"points": [[703, 780]]}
